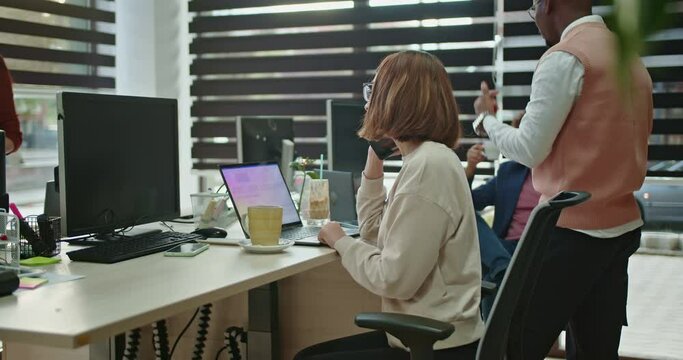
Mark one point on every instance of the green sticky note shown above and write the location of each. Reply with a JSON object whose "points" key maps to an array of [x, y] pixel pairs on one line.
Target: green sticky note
{"points": [[40, 261]]}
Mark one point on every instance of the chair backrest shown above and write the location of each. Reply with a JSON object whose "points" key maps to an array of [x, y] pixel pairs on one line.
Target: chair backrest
{"points": [[523, 272]]}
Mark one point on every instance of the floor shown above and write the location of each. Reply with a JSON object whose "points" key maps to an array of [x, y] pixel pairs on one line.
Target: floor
{"points": [[655, 308]]}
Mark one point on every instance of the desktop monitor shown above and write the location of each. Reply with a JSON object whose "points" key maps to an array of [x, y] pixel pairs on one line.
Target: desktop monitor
{"points": [[118, 162], [345, 150], [260, 139]]}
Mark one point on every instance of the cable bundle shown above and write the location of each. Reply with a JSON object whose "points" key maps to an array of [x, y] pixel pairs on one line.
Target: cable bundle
{"points": [[232, 335], [160, 333], [132, 345], [202, 331]]}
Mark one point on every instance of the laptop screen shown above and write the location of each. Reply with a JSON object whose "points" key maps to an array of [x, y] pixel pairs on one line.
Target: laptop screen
{"points": [[259, 184]]}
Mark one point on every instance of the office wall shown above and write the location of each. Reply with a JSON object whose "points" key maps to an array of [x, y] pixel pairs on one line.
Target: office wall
{"points": [[153, 60]]}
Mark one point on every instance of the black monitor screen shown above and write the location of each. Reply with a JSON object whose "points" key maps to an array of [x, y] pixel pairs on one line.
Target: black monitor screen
{"points": [[118, 161], [347, 150], [260, 139]]}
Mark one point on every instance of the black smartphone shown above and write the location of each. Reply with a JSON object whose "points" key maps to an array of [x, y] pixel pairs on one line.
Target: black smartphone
{"points": [[384, 148]]}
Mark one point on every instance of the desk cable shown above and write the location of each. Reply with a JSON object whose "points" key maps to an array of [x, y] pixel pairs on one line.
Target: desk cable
{"points": [[160, 340], [169, 227], [160, 337], [202, 331], [132, 344], [232, 334], [183, 332]]}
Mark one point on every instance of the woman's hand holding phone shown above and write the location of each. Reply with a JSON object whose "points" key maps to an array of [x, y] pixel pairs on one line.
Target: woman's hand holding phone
{"points": [[377, 153], [374, 166], [384, 148]]}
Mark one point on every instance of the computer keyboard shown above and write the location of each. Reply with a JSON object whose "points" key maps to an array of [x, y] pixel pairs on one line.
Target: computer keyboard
{"points": [[120, 250], [300, 232]]}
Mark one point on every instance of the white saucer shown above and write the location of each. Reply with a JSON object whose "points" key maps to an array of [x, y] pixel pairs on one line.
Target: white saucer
{"points": [[265, 249]]}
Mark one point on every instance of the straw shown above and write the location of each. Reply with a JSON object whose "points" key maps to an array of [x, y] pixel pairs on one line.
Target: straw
{"points": [[322, 157]]}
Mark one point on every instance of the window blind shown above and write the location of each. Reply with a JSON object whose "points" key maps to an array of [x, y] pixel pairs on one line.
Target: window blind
{"points": [[67, 43], [286, 58], [523, 46]]}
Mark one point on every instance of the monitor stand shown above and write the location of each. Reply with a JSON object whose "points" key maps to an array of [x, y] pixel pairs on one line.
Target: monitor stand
{"points": [[112, 237]]}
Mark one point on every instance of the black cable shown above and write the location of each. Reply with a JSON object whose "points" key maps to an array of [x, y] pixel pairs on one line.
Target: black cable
{"points": [[160, 337], [112, 219], [220, 351], [167, 225], [129, 228], [109, 218], [202, 331], [219, 188], [183, 332], [132, 345], [231, 335]]}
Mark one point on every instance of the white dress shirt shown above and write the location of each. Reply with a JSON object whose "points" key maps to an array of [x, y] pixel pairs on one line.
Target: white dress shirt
{"points": [[556, 84]]}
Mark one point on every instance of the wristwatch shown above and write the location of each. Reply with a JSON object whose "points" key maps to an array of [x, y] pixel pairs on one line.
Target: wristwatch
{"points": [[478, 123]]}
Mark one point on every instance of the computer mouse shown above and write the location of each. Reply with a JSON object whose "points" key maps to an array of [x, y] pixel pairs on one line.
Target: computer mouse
{"points": [[211, 232]]}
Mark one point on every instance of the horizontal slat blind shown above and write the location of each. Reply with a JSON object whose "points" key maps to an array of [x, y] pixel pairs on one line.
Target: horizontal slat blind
{"points": [[62, 56], [66, 43], [523, 46], [353, 16], [251, 60], [207, 5], [324, 62], [61, 8]]}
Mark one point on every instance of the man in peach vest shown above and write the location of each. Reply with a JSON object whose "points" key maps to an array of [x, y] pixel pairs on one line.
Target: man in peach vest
{"points": [[581, 132]]}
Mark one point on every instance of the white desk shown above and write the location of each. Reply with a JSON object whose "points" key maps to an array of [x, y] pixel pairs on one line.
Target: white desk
{"points": [[114, 298]]}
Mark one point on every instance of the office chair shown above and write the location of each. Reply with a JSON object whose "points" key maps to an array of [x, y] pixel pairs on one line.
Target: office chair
{"points": [[419, 334]]}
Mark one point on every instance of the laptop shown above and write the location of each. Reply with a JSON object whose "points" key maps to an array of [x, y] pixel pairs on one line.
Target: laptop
{"points": [[342, 197], [263, 184]]}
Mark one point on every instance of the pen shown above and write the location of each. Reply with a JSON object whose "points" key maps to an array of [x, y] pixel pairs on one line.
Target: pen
{"points": [[15, 210]]}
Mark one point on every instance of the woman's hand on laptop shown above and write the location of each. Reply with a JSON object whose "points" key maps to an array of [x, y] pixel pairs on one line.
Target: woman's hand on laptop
{"points": [[331, 233]]}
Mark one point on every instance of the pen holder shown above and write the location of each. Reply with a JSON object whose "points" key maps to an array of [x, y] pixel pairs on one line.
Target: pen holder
{"points": [[212, 210], [40, 236], [9, 240]]}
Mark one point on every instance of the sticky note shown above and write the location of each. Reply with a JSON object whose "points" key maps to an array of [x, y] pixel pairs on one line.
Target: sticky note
{"points": [[39, 261], [31, 283]]}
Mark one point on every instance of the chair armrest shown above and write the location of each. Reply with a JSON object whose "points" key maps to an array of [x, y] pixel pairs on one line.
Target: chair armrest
{"points": [[488, 288], [401, 325]]}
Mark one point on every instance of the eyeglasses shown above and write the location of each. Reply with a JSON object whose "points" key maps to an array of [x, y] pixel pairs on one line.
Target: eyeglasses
{"points": [[367, 91], [532, 9]]}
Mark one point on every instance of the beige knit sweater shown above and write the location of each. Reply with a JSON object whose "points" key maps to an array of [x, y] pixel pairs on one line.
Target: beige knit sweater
{"points": [[420, 252]]}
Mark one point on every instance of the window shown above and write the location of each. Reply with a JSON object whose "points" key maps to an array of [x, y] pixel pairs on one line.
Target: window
{"points": [[523, 47], [285, 58], [279, 57], [51, 46]]}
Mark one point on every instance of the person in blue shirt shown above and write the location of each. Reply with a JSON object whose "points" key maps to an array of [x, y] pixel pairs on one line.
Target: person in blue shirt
{"points": [[513, 197]]}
